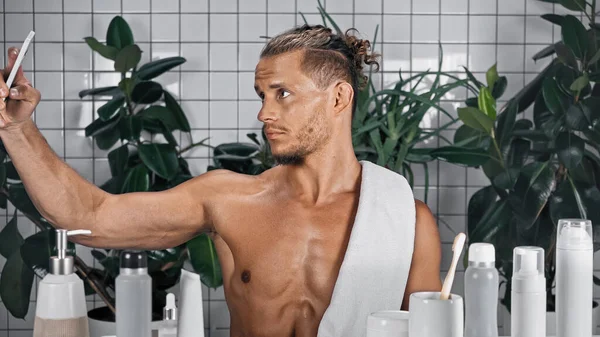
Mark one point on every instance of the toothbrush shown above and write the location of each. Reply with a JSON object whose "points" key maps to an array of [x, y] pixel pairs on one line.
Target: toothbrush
{"points": [[19, 60], [457, 247]]}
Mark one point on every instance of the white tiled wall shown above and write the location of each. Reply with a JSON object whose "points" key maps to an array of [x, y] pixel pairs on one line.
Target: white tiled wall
{"points": [[221, 40]]}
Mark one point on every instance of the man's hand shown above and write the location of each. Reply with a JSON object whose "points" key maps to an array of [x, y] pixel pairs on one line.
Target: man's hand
{"points": [[21, 99]]}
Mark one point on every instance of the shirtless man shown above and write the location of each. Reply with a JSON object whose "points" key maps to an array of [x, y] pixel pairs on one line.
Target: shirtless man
{"points": [[280, 236]]}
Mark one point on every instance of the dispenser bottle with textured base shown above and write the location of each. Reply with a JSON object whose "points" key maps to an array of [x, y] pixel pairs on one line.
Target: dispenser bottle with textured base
{"points": [[133, 293], [61, 309], [528, 296]]}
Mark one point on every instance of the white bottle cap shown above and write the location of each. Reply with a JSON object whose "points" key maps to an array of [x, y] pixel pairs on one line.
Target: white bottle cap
{"points": [[574, 234], [170, 310], [482, 253]]}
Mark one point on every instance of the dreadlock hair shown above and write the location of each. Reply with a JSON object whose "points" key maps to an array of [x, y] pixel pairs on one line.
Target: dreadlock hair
{"points": [[328, 56]]}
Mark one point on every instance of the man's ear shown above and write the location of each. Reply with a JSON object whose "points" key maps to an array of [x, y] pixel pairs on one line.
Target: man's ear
{"points": [[343, 95]]}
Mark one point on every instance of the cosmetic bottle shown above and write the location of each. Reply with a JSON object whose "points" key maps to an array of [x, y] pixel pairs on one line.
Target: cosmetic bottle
{"points": [[481, 292], [168, 327], [528, 294], [133, 293]]}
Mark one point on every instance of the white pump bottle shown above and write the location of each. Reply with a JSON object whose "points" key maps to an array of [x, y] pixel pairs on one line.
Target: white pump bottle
{"points": [[61, 310], [528, 296]]}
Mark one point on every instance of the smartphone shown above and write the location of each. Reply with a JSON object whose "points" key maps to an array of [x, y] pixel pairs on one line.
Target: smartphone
{"points": [[20, 57]]}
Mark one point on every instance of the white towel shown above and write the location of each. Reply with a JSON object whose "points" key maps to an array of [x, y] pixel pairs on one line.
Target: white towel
{"points": [[375, 268]]}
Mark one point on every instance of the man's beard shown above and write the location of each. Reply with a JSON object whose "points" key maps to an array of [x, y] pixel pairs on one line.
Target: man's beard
{"points": [[292, 159]]}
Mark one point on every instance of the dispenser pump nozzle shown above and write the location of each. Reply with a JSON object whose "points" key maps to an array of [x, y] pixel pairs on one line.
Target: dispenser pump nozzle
{"points": [[63, 264]]}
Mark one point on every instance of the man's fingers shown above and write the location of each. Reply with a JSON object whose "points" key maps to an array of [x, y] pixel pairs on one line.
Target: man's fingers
{"points": [[24, 92], [20, 78]]}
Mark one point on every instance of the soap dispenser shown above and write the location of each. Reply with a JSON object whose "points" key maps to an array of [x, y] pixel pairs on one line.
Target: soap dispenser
{"points": [[61, 309]]}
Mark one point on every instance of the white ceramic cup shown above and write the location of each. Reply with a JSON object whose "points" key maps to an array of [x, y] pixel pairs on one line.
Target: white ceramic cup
{"points": [[388, 323], [432, 317]]}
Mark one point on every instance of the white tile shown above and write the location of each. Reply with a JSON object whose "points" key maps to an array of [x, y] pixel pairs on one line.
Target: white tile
{"points": [[454, 28], [308, 6], [419, 174], [397, 6], [17, 26], [222, 27], [538, 7], [419, 193], [101, 171], [223, 56], [249, 56], [426, 6], [252, 27], [107, 6], [220, 137], [511, 29], [311, 19], [397, 56], [248, 113], [366, 25], [425, 28], [165, 6], [49, 20], [78, 114], [49, 115], [455, 57], [194, 6], [165, 27], [100, 25], [164, 50], [344, 21], [3, 318], [338, 6], [196, 55], [140, 26], [77, 144], [223, 115], [483, 6], [170, 82], [223, 86], [48, 56], [194, 85], [455, 6], [538, 30], [450, 226], [21, 333], [530, 64], [277, 24], [396, 28], [511, 6], [199, 151], [281, 6], [476, 177], [452, 200], [196, 27], [196, 113], [481, 57], [78, 26], [451, 174], [562, 10], [78, 5], [253, 6], [74, 83], [48, 5], [136, 6], [482, 29], [246, 86], [515, 84], [425, 57], [102, 64], [49, 84], [18, 6], [105, 79], [511, 58], [368, 6], [223, 6], [2, 28], [198, 166], [78, 56]]}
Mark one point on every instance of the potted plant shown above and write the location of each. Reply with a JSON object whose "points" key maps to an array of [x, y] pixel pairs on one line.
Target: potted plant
{"points": [[136, 124], [544, 169]]}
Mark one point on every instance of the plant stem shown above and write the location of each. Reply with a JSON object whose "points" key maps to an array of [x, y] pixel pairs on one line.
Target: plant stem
{"points": [[501, 159], [191, 146]]}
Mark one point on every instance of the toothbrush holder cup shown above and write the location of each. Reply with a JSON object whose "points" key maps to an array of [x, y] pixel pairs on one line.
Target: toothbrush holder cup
{"points": [[432, 317]]}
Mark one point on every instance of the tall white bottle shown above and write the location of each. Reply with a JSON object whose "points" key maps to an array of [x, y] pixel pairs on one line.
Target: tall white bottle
{"points": [[61, 310], [574, 278], [481, 292], [528, 295], [133, 295]]}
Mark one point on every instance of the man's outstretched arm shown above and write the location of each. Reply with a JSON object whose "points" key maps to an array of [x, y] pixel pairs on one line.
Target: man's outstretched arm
{"points": [[427, 255], [136, 220]]}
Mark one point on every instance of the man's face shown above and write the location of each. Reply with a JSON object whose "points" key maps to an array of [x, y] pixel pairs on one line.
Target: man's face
{"points": [[294, 109]]}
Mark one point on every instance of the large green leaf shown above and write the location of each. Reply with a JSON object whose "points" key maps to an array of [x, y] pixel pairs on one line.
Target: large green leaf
{"points": [[565, 55], [569, 148], [137, 180], [16, 281], [165, 115], [146, 92], [506, 122], [574, 5], [499, 87], [158, 126], [128, 58], [20, 199], [107, 139], [130, 127], [105, 91], [178, 115], [476, 119], [461, 155], [531, 192], [466, 136], [10, 238], [491, 76], [473, 78], [111, 108], [119, 33], [117, 160], [580, 83], [100, 126], [160, 158], [527, 95], [108, 52], [574, 35], [204, 260], [506, 179], [553, 18], [487, 103], [577, 117], [555, 100], [566, 203], [153, 69], [495, 219], [519, 150], [479, 203]]}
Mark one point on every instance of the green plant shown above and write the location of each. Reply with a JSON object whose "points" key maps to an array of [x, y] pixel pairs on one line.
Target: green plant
{"points": [[544, 169], [386, 127], [142, 116]]}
